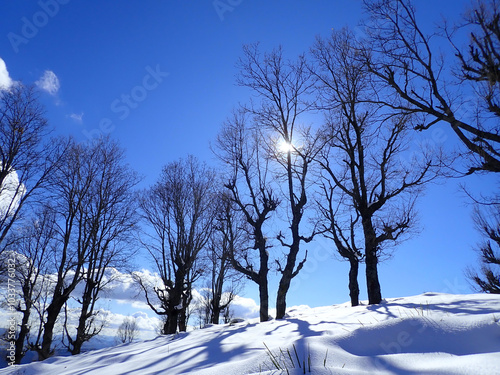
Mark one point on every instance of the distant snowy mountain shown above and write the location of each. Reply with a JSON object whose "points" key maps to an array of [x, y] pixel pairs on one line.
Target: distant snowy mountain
{"points": [[426, 334]]}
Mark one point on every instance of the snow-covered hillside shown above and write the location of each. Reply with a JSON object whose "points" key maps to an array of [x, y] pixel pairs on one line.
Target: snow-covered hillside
{"points": [[426, 334]]}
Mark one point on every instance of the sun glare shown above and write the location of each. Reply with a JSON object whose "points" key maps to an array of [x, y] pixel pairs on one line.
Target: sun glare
{"points": [[285, 147]]}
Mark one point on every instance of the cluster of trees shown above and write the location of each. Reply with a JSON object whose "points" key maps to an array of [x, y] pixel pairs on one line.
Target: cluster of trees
{"points": [[128, 331], [461, 91], [354, 180], [71, 211]]}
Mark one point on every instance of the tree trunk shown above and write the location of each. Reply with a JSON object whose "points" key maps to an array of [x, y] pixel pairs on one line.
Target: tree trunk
{"points": [[166, 324], [263, 296], [60, 296], [182, 316], [80, 331], [286, 277], [217, 288], [281, 297], [263, 282], [77, 343], [353, 281], [372, 282], [175, 302], [48, 328], [176, 313], [297, 207], [284, 285], [215, 312], [216, 300], [259, 278], [371, 260], [186, 297], [23, 332], [171, 324]]}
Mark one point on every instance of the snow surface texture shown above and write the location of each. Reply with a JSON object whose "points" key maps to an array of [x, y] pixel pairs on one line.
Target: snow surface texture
{"points": [[426, 334]]}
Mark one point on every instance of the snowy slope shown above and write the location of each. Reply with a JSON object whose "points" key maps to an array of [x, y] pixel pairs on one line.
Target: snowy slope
{"points": [[426, 334]]}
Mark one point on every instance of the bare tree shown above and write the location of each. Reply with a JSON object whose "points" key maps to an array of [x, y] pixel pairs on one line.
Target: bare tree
{"points": [[368, 143], [32, 247], [25, 162], [71, 183], [128, 331], [407, 60], [179, 210], [203, 307], [108, 220], [488, 223], [282, 88], [481, 63], [340, 223], [240, 148], [229, 234], [85, 227]]}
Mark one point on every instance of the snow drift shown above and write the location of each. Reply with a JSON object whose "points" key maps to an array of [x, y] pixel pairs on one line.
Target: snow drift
{"points": [[426, 334]]}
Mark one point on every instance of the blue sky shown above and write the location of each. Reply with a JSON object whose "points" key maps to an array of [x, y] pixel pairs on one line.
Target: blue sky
{"points": [[159, 76]]}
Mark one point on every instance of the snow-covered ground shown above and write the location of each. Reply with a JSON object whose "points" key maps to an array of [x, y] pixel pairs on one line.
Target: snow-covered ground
{"points": [[426, 334]]}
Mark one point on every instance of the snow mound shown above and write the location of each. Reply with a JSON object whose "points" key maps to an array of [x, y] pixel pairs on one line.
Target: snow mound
{"points": [[424, 335], [427, 334]]}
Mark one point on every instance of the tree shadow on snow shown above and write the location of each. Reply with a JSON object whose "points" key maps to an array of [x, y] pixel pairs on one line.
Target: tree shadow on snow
{"points": [[206, 355]]}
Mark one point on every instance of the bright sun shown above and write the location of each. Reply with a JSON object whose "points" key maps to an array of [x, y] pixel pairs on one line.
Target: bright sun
{"points": [[285, 147]]}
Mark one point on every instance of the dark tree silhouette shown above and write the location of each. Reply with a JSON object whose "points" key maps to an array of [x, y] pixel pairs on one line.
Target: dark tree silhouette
{"points": [[25, 162], [71, 182], [364, 160], [33, 248], [340, 223], [405, 59], [241, 149], [229, 234], [90, 216], [488, 278], [128, 331], [109, 215], [480, 65], [180, 210], [282, 88]]}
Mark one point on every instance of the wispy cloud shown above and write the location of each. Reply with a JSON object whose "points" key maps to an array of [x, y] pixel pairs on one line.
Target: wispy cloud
{"points": [[5, 80], [76, 117], [49, 82]]}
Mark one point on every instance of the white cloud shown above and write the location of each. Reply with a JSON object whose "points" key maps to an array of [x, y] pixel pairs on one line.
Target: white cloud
{"points": [[147, 325], [245, 308], [49, 82], [5, 80], [76, 117], [11, 192], [121, 287], [122, 297]]}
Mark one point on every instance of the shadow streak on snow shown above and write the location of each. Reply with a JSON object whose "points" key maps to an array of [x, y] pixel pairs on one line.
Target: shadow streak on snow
{"points": [[204, 356], [410, 335], [469, 306], [418, 326], [304, 327], [414, 328]]}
